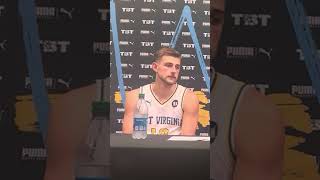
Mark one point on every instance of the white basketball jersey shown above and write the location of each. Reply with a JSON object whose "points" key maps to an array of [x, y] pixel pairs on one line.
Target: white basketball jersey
{"points": [[226, 94], [164, 118]]}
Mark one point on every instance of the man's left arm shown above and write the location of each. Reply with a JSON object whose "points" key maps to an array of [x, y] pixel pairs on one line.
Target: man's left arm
{"points": [[190, 113], [259, 139]]}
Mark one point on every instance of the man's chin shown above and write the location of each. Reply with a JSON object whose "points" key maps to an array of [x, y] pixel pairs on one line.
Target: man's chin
{"points": [[171, 82]]}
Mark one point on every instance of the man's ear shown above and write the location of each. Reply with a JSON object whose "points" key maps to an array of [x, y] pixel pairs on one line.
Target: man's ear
{"points": [[155, 66]]}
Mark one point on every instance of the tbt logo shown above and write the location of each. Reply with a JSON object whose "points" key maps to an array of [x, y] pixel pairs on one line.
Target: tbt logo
{"points": [[103, 14], [188, 68], [49, 46], [169, 11], [251, 19]]}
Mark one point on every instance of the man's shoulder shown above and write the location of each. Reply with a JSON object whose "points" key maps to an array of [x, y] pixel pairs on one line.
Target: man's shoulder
{"points": [[227, 78], [135, 92], [257, 112], [259, 128]]}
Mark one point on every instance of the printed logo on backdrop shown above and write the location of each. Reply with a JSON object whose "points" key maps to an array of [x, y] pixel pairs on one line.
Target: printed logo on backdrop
{"points": [[127, 0], [2, 10], [169, 1], [101, 47], [33, 154], [248, 52], [303, 91], [54, 46], [45, 12], [146, 54], [301, 56], [127, 21], [206, 2], [3, 45], [146, 66], [149, 1], [251, 19], [188, 68], [147, 10], [314, 21], [126, 31], [126, 65], [51, 83], [103, 14]]}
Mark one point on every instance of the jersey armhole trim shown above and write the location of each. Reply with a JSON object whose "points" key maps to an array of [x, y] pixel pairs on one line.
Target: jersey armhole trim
{"points": [[231, 120], [214, 82], [183, 99]]}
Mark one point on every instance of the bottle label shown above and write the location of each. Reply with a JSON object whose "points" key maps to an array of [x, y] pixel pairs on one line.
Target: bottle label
{"points": [[140, 124]]}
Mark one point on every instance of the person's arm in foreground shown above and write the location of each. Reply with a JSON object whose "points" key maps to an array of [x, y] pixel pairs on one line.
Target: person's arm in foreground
{"points": [[190, 113], [259, 139], [130, 105], [68, 121]]}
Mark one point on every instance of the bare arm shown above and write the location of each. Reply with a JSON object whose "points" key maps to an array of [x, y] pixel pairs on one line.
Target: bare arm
{"points": [[68, 120], [130, 104], [190, 113], [259, 139]]}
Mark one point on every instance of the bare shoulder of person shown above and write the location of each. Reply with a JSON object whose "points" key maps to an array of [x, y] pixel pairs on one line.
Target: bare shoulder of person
{"points": [[132, 95], [78, 96], [259, 130], [190, 99]]}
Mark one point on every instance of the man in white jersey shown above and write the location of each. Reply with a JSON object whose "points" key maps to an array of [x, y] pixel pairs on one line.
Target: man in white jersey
{"points": [[246, 130], [170, 112]]}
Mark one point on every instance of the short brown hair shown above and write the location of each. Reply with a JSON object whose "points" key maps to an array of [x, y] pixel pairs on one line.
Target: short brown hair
{"points": [[165, 51]]}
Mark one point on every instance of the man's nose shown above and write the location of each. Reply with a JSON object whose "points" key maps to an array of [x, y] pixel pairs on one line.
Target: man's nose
{"points": [[174, 70]]}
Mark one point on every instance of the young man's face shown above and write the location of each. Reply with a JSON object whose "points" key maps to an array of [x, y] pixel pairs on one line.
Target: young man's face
{"points": [[216, 22], [167, 69]]}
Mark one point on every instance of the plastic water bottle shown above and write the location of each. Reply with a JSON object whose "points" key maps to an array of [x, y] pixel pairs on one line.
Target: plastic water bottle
{"points": [[140, 119], [98, 127]]}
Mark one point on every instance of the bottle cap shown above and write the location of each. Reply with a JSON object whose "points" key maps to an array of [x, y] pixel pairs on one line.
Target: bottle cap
{"points": [[141, 96], [100, 108]]}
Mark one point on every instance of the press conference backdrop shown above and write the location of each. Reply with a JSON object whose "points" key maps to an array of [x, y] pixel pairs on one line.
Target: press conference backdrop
{"points": [[74, 45], [259, 46], [143, 27]]}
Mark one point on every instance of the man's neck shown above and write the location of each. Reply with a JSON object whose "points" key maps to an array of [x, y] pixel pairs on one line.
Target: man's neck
{"points": [[163, 91]]}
